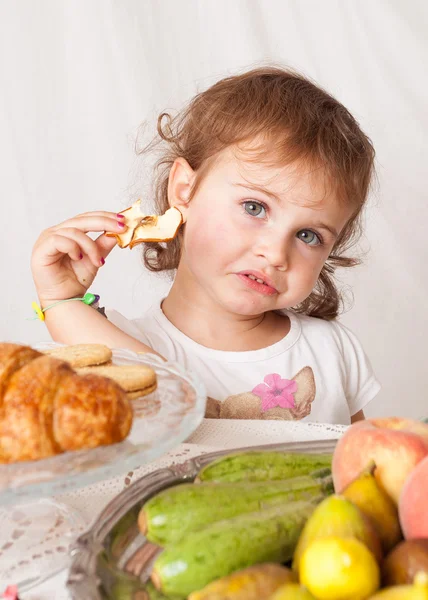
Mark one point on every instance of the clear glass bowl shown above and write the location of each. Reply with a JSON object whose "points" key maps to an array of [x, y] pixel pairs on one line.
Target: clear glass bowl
{"points": [[162, 420]]}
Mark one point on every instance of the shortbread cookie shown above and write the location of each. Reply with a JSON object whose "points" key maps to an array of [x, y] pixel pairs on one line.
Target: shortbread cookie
{"points": [[139, 393], [82, 355], [136, 380]]}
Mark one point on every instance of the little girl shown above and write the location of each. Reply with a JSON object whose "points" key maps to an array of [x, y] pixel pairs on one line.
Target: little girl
{"points": [[271, 175]]}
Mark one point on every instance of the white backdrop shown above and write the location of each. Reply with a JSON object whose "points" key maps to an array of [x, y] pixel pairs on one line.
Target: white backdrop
{"points": [[78, 77]]}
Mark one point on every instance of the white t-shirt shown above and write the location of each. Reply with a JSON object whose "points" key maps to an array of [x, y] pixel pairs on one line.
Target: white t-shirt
{"points": [[318, 372]]}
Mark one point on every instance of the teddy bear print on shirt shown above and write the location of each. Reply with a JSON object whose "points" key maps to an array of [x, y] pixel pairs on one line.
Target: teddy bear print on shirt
{"points": [[276, 398]]}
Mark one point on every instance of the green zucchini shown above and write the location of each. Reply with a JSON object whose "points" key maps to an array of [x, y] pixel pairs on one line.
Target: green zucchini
{"points": [[176, 511], [262, 466], [123, 590], [223, 547], [151, 593]]}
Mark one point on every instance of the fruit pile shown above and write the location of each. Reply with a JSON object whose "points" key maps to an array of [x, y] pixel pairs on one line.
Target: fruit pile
{"points": [[268, 525]]}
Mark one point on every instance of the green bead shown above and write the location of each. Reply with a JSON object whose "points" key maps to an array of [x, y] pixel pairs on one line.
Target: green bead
{"points": [[88, 299]]}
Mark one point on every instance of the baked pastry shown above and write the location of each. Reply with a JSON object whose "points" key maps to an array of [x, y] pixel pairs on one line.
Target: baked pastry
{"points": [[47, 408], [12, 358]]}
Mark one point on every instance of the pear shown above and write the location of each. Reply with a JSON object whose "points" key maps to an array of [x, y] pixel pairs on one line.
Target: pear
{"points": [[337, 516], [417, 591], [366, 493], [405, 561], [336, 568]]}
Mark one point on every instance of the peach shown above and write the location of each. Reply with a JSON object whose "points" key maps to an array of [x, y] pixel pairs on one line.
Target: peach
{"points": [[413, 503], [395, 444]]}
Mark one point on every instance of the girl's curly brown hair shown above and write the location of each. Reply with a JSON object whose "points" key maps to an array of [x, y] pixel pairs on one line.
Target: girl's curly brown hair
{"points": [[293, 120]]}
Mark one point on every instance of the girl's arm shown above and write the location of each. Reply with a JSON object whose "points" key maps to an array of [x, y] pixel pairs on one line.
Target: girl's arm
{"points": [[64, 262], [78, 323]]}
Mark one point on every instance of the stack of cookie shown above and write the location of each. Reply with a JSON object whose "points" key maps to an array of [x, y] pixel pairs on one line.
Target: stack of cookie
{"points": [[137, 380]]}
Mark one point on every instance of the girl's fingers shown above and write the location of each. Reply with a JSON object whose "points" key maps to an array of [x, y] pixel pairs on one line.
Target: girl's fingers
{"points": [[98, 213], [105, 244], [57, 245], [86, 244], [89, 223]]}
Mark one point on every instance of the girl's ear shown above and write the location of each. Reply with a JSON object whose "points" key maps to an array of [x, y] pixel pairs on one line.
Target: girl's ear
{"points": [[180, 182]]}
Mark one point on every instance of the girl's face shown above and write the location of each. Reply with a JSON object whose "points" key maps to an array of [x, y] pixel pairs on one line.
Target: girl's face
{"points": [[256, 237]]}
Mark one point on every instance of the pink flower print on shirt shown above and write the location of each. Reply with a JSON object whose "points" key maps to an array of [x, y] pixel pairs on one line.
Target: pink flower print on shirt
{"points": [[276, 391]]}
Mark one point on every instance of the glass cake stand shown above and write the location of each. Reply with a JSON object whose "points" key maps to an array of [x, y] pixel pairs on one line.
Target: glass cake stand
{"points": [[32, 522]]}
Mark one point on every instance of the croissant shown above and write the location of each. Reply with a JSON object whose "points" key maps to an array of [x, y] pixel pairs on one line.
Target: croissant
{"points": [[47, 408]]}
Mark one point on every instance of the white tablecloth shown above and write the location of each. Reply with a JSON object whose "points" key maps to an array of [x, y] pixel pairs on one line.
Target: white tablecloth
{"points": [[211, 435]]}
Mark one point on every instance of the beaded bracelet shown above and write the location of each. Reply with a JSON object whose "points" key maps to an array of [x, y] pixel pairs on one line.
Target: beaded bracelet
{"points": [[89, 299]]}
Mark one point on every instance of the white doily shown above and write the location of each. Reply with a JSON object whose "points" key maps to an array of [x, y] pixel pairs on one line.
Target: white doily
{"points": [[211, 435], [235, 433]]}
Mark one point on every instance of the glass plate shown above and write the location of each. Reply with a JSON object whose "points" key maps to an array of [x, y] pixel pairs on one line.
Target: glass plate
{"points": [[162, 420]]}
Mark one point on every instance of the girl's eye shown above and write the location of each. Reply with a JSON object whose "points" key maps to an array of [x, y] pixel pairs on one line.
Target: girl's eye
{"points": [[255, 209], [310, 237]]}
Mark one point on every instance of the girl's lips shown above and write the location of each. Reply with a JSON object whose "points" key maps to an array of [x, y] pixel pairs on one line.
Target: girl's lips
{"points": [[262, 288]]}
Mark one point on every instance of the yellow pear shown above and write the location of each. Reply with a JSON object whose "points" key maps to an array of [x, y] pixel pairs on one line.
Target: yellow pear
{"points": [[337, 516], [337, 568], [417, 591], [366, 493]]}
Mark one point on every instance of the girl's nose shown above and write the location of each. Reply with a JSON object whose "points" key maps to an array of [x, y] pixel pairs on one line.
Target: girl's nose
{"points": [[276, 250]]}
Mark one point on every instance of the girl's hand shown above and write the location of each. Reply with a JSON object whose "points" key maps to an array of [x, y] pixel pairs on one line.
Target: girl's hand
{"points": [[65, 260]]}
